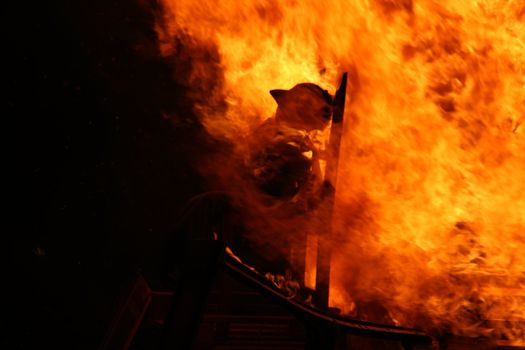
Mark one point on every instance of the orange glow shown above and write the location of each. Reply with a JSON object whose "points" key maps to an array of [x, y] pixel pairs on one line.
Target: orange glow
{"points": [[430, 203], [310, 271]]}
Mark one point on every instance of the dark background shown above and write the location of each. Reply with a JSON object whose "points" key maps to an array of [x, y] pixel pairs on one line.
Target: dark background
{"points": [[100, 172]]}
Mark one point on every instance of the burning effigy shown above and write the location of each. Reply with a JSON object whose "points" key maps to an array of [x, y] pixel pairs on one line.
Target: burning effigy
{"points": [[428, 216], [280, 185]]}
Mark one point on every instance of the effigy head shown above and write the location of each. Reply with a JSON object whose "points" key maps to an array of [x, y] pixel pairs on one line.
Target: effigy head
{"points": [[306, 107]]}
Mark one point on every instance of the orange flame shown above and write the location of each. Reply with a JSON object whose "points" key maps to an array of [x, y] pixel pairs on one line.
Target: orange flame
{"points": [[431, 187]]}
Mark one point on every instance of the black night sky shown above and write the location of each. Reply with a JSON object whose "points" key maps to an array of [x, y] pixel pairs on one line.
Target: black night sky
{"points": [[100, 173]]}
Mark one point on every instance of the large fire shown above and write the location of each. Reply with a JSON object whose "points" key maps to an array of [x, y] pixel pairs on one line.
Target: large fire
{"points": [[430, 206]]}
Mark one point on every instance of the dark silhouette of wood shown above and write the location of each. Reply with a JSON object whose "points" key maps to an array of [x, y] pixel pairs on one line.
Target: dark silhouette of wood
{"points": [[129, 315], [324, 255]]}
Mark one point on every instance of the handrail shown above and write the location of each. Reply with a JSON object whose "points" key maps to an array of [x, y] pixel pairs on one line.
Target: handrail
{"points": [[307, 312]]}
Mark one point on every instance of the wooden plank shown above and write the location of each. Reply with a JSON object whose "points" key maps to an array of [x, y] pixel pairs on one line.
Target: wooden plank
{"points": [[324, 255]]}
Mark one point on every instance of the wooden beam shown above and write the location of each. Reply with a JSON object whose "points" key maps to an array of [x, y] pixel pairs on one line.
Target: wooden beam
{"points": [[324, 254]]}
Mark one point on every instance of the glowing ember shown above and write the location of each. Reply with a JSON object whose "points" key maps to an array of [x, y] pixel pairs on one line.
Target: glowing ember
{"points": [[431, 186]]}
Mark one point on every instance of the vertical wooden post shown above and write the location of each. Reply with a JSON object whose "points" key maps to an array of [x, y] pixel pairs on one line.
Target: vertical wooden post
{"points": [[324, 255]]}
